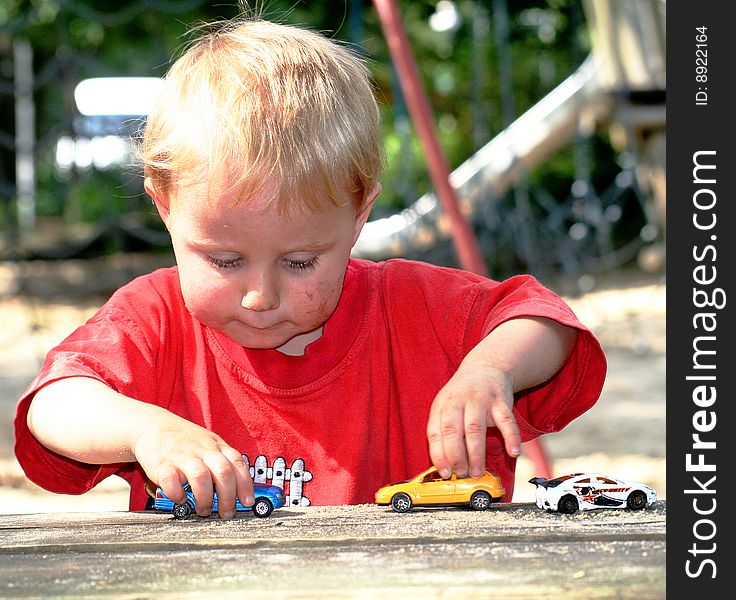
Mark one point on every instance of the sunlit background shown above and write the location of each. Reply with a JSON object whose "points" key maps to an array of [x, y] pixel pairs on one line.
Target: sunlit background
{"points": [[549, 113]]}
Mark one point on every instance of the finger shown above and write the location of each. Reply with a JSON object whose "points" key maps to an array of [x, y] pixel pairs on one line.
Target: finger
{"points": [[504, 419], [243, 481], [475, 438], [169, 479], [452, 430], [223, 478], [436, 447], [200, 480]]}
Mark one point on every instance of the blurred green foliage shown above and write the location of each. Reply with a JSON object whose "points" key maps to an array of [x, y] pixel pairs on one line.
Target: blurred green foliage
{"points": [[459, 67], [483, 66]]}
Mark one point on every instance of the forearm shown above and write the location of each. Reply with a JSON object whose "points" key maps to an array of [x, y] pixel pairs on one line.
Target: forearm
{"points": [[528, 350], [86, 420]]}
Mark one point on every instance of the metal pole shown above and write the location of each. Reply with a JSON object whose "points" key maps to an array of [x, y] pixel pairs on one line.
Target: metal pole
{"points": [[466, 245], [25, 123], [463, 239]]}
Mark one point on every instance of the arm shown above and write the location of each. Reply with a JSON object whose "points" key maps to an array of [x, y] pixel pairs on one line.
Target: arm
{"points": [[86, 420], [516, 355]]}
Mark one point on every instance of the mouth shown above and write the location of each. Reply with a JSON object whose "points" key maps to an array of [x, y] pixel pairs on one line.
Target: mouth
{"points": [[260, 327]]}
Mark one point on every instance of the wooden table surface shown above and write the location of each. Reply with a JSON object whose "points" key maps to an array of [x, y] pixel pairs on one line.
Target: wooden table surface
{"points": [[365, 551]]}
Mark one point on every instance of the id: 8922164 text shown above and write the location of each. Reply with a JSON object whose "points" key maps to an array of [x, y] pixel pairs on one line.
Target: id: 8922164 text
{"points": [[701, 65]]}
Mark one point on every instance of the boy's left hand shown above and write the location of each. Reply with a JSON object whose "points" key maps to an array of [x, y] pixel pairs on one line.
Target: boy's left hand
{"points": [[472, 401], [516, 355]]}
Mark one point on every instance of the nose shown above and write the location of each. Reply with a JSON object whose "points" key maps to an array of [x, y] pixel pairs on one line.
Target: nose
{"points": [[261, 295]]}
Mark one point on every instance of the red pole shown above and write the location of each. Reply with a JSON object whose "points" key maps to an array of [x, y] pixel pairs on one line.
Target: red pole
{"points": [[420, 111], [464, 241]]}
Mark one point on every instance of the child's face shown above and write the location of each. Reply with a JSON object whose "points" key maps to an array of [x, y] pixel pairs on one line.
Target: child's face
{"points": [[261, 278]]}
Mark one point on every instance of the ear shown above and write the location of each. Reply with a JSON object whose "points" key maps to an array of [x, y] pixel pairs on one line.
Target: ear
{"points": [[161, 202], [362, 217]]}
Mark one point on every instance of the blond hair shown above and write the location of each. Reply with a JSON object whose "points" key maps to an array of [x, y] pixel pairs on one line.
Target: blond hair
{"points": [[252, 103]]}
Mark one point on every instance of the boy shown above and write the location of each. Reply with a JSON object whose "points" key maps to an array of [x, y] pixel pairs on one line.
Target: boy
{"points": [[262, 158]]}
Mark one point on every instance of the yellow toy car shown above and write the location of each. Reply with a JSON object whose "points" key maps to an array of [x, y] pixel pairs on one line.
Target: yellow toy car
{"points": [[429, 489]]}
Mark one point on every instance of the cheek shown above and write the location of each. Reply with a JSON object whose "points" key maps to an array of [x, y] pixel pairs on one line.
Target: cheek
{"points": [[317, 303], [203, 297]]}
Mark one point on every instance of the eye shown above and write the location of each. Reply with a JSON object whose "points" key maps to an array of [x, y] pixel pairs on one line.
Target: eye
{"points": [[301, 265], [223, 263]]}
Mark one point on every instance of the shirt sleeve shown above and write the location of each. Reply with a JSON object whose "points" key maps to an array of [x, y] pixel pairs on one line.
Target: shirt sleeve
{"points": [[461, 308], [112, 348], [576, 387]]}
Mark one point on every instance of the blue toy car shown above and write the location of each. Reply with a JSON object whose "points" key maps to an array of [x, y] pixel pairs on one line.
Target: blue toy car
{"points": [[267, 497]]}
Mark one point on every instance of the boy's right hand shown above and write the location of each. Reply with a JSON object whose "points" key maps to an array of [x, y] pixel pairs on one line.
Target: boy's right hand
{"points": [[86, 420], [173, 451]]}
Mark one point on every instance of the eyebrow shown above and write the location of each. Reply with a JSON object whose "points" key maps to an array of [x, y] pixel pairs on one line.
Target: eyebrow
{"points": [[314, 247]]}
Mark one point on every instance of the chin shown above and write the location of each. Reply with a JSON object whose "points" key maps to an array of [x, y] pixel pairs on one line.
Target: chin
{"points": [[251, 338], [255, 342]]}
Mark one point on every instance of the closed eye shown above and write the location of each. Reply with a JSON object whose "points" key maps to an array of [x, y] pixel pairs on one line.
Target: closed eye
{"points": [[223, 263], [300, 265]]}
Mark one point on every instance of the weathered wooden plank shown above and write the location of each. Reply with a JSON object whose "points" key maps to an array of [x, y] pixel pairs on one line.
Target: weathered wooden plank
{"points": [[337, 552]]}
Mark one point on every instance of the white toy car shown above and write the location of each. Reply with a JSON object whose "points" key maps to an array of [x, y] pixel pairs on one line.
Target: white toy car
{"points": [[586, 491]]}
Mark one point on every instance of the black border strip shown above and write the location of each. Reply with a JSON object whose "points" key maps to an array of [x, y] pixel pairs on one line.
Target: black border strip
{"points": [[701, 171]]}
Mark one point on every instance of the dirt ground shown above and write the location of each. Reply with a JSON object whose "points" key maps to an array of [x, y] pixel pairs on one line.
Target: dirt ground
{"points": [[623, 435]]}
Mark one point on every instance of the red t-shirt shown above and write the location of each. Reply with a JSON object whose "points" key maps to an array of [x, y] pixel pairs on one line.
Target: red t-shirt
{"points": [[354, 408]]}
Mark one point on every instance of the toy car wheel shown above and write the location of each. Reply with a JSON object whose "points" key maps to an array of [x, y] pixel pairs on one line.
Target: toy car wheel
{"points": [[182, 511], [401, 502], [480, 500], [568, 505], [636, 500], [262, 507]]}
